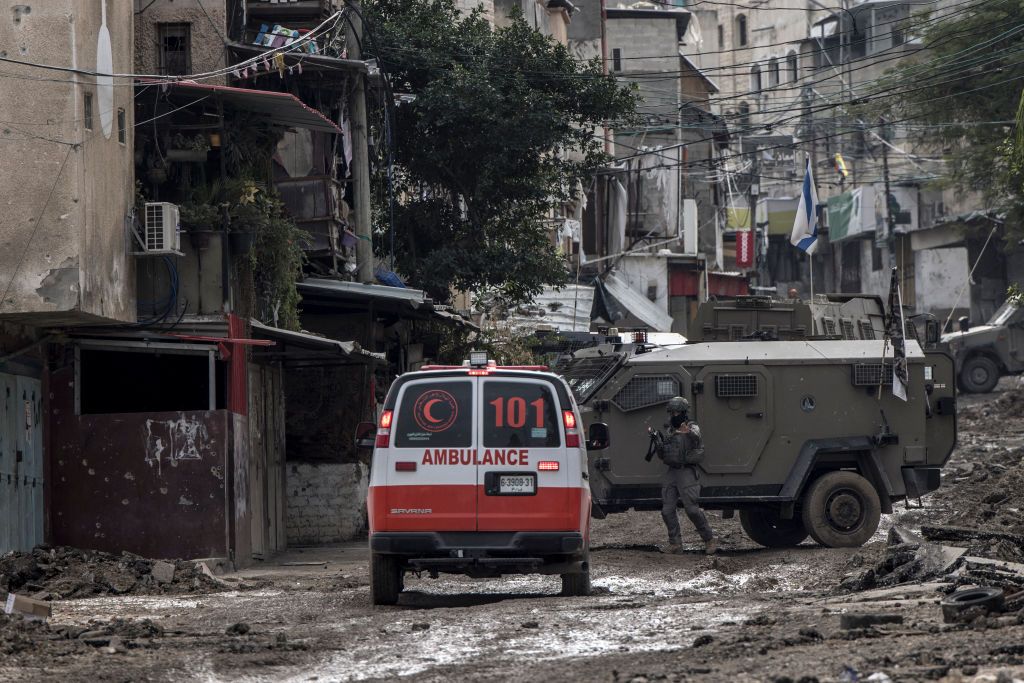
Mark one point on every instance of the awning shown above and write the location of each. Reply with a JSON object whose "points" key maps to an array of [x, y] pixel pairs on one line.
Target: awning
{"points": [[636, 304], [338, 296], [281, 108], [303, 346], [778, 213], [712, 86]]}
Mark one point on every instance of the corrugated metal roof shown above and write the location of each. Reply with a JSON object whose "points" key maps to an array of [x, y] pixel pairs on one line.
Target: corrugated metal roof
{"points": [[565, 310], [281, 107]]}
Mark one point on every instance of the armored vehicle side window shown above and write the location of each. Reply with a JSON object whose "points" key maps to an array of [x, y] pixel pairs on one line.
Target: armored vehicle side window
{"points": [[847, 329], [435, 414], [830, 326], [586, 375], [647, 390], [735, 386], [866, 330], [520, 414], [1004, 315]]}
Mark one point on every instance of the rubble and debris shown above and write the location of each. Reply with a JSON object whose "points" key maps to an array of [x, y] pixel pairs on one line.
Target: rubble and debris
{"points": [[63, 573]]}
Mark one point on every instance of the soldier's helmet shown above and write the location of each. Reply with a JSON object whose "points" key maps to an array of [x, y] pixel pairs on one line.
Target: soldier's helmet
{"points": [[678, 404]]}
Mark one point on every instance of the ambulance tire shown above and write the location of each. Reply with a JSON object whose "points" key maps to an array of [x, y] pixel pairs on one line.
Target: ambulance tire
{"points": [[766, 527], [578, 584], [841, 510], [385, 579]]}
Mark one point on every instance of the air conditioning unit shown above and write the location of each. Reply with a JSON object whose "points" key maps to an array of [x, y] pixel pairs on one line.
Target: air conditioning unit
{"points": [[161, 229]]}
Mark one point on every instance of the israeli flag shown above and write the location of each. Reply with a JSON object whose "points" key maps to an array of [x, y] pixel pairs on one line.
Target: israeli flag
{"points": [[805, 223]]}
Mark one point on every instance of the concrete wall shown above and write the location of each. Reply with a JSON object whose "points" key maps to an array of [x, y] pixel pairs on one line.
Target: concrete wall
{"points": [[208, 27], [939, 275], [63, 241], [326, 502], [644, 270]]}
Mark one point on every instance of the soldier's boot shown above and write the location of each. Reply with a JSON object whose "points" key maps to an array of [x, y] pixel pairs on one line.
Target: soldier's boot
{"points": [[674, 548], [711, 546]]}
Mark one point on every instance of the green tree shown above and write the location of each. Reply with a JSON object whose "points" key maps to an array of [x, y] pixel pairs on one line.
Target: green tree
{"points": [[501, 129], [969, 75]]}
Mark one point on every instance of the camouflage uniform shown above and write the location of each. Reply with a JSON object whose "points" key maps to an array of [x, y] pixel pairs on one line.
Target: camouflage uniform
{"points": [[681, 453]]}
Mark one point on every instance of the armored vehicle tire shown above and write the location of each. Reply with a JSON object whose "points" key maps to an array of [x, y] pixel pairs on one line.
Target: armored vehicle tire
{"points": [[765, 527], [841, 510], [979, 375], [578, 584], [385, 579]]}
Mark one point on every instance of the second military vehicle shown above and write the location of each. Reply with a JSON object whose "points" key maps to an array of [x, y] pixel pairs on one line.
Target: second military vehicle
{"points": [[801, 437], [987, 352]]}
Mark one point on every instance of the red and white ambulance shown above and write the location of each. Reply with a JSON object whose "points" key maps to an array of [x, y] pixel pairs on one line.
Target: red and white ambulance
{"points": [[480, 470]]}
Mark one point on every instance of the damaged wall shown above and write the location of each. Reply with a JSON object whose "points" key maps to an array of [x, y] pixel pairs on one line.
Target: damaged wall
{"points": [[326, 502], [63, 241]]}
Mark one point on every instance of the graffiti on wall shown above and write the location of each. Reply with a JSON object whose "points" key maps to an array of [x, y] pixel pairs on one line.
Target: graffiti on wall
{"points": [[173, 441]]}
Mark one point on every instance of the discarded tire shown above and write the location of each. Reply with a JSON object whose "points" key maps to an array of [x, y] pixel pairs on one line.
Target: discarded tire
{"points": [[841, 510], [766, 527], [987, 600]]}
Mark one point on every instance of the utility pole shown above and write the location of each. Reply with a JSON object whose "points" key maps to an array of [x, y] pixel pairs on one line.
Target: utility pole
{"points": [[755, 190], [360, 170], [890, 220]]}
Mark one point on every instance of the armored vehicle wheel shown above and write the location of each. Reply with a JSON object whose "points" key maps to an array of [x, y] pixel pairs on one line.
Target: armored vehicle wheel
{"points": [[841, 510], [764, 526], [578, 584], [979, 375], [385, 579]]}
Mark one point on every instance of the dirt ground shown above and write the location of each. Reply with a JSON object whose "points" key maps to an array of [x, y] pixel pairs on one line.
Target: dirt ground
{"points": [[749, 614]]}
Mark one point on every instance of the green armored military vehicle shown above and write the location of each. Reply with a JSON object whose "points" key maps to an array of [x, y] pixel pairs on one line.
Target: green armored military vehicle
{"points": [[987, 352], [799, 437]]}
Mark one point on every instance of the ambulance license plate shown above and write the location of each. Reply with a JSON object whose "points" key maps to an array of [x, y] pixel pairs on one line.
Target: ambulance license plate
{"points": [[517, 484]]}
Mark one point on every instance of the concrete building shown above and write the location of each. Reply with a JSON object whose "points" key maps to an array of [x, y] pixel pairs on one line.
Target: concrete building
{"points": [[64, 258]]}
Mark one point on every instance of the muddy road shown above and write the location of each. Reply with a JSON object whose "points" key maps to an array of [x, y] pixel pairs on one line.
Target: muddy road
{"points": [[749, 614]]}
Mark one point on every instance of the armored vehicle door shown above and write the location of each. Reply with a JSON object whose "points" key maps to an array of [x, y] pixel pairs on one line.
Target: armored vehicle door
{"points": [[637, 402], [940, 385], [734, 410]]}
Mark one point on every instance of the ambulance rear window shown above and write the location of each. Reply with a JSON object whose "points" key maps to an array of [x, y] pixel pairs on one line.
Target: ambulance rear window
{"points": [[520, 414], [435, 414]]}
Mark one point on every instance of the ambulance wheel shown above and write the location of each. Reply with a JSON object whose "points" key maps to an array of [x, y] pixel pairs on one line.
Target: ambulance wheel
{"points": [[578, 584], [766, 527], [979, 375], [841, 510], [385, 579]]}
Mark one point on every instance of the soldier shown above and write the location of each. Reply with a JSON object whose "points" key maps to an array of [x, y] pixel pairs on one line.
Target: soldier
{"points": [[682, 450]]}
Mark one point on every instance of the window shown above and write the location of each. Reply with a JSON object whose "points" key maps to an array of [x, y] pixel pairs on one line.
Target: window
{"points": [[721, 37], [774, 75], [744, 115], [175, 41], [741, 30], [87, 110], [111, 381], [735, 386], [647, 390], [122, 132], [876, 257], [791, 67], [435, 414], [520, 415], [755, 79], [616, 59]]}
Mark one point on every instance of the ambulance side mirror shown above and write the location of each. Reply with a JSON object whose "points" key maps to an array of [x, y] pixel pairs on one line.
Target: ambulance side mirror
{"points": [[366, 434], [598, 437]]}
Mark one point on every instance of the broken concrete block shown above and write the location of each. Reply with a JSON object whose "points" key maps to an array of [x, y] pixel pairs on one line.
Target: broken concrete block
{"points": [[163, 572], [866, 619], [27, 607]]}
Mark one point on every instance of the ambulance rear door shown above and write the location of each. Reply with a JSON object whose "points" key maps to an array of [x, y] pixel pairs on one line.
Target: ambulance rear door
{"points": [[523, 469], [430, 470]]}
